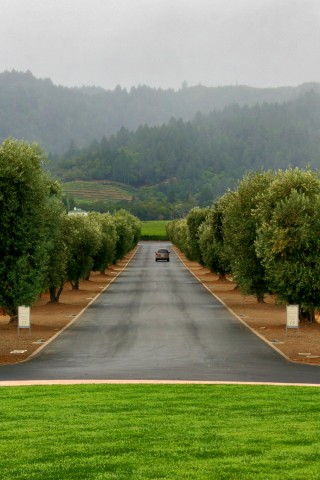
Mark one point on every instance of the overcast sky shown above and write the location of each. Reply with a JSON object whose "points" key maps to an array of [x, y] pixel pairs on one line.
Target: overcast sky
{"points": [[162, 43]]}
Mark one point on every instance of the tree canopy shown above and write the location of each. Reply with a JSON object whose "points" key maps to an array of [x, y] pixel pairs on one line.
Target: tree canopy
{"points": [[265, 234], [41, 246], [288, 237], [240, 232], [25, 192]]}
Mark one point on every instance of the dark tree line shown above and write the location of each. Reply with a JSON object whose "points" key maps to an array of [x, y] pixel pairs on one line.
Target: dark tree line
{"points": [[182, 164], [57, 117]]}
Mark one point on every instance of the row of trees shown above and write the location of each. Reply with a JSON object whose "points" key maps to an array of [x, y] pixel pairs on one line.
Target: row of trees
{"points": [[265, 233], [42, 247]]}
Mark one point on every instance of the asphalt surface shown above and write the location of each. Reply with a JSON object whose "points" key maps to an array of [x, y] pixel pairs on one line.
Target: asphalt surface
{"points": [[157, 322]]}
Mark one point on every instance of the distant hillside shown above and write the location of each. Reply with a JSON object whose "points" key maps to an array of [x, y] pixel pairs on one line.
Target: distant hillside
{"points": [[178, 165], [62, 119], [96, 191]]}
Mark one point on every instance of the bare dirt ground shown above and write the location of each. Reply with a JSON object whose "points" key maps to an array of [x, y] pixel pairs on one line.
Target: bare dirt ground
{"points": [[268, 320]]}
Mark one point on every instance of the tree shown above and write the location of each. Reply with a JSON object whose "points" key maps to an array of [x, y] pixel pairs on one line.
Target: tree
{"points": [[194, 219], [288, 241], [178, 233], [128, 229], [240, 232], [83, 239], [24, 193], [211, 240], [105, 255], [56, 275]]}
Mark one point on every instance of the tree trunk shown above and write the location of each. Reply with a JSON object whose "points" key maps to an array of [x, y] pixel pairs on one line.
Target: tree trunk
{"points": [[75, 284], [306, 315], [260, 298], [53, 297], [55, 294], [59, 293], [13, 313]]}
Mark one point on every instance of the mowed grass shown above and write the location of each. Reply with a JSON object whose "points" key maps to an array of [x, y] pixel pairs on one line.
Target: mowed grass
{"points": [[154, 230], [160, 432]]}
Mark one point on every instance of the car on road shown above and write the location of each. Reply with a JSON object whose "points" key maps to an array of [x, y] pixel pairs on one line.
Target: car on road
{"points": [[162, 254]]}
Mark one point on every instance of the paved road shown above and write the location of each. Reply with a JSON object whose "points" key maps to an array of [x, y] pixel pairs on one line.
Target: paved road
{"points": [[157, 322]]}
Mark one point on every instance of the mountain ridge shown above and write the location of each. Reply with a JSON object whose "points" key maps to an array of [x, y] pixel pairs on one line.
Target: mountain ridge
{"points": [[60, 118]]}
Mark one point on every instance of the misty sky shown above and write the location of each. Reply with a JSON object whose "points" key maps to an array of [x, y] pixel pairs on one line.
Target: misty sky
{"points": [[162, 43]]}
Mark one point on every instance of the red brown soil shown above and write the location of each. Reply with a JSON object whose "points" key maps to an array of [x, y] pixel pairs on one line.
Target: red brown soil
{"points": [[267, 319]]}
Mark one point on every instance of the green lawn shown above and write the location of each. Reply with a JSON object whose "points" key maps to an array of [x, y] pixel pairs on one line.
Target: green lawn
{"points": [[160, 432], [154, 230]]}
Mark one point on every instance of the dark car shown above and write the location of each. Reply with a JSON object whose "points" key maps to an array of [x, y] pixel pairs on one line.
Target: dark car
{"points": [[162, 254]]}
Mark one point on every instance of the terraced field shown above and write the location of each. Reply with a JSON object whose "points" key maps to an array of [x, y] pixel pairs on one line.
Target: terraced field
{"points": [[96, 191]]}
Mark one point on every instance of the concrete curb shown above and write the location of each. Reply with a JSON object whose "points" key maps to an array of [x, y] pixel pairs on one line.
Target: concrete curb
{"points": [[30, 383]]}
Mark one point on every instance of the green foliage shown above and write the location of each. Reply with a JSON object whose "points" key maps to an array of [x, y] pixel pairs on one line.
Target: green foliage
{"points": [[240, 232], [288, 238], [195, 218], [177, 166], [105, 255], [83, 239], [175, 432], [56, 271], [42, 246], [265, 233], [128, 230], [211, 239], [178, 234], [24, 195], [135, 138]]}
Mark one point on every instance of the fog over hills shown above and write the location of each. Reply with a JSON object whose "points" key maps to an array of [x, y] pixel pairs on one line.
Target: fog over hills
{"points": [[60, 118]]}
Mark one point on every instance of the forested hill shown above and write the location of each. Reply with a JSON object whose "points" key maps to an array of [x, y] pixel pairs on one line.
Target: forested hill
{"points": [[197, 161], [58, 117]]}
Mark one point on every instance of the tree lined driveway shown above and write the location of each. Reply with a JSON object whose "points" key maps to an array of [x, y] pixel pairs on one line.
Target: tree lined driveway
{"points": [[157, 322]]}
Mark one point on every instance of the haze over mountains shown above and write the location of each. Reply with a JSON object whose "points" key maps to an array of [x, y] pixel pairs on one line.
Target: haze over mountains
{"points": [[58, 117], [171, 149]]}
